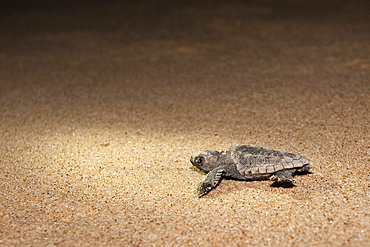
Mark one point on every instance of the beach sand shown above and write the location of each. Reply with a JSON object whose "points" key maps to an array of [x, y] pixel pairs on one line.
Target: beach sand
{"points": [[102, 104]]}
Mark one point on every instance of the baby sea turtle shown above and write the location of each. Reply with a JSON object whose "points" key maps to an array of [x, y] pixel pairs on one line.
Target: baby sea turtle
{"points": [[248, 162]]}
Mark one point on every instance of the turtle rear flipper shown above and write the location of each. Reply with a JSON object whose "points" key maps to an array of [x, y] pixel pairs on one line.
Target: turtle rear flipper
{"points": [[212, 180], [283, 176]]}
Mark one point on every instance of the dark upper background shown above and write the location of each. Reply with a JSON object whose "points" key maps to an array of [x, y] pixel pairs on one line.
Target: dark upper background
{"points": [[154, 13]]}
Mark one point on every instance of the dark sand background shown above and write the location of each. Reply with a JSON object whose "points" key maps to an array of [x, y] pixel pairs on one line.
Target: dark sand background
{"points": [[103, 103]]}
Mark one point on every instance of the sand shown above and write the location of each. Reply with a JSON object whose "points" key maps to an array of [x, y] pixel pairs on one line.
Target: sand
{"points": [[102, 104]]}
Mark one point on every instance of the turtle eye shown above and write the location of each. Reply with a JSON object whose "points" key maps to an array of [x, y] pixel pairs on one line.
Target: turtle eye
{"points": [[199, 160]]}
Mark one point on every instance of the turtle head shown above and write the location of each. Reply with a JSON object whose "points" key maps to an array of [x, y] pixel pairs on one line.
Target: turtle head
{"points": [[206, 160]]}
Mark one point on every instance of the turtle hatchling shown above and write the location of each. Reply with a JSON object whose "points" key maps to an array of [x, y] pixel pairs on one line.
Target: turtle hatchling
{"points": [[248, 162]]}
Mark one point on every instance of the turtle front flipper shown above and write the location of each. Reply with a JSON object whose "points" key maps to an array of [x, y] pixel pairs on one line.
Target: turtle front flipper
{"points": [[211, 181]]}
